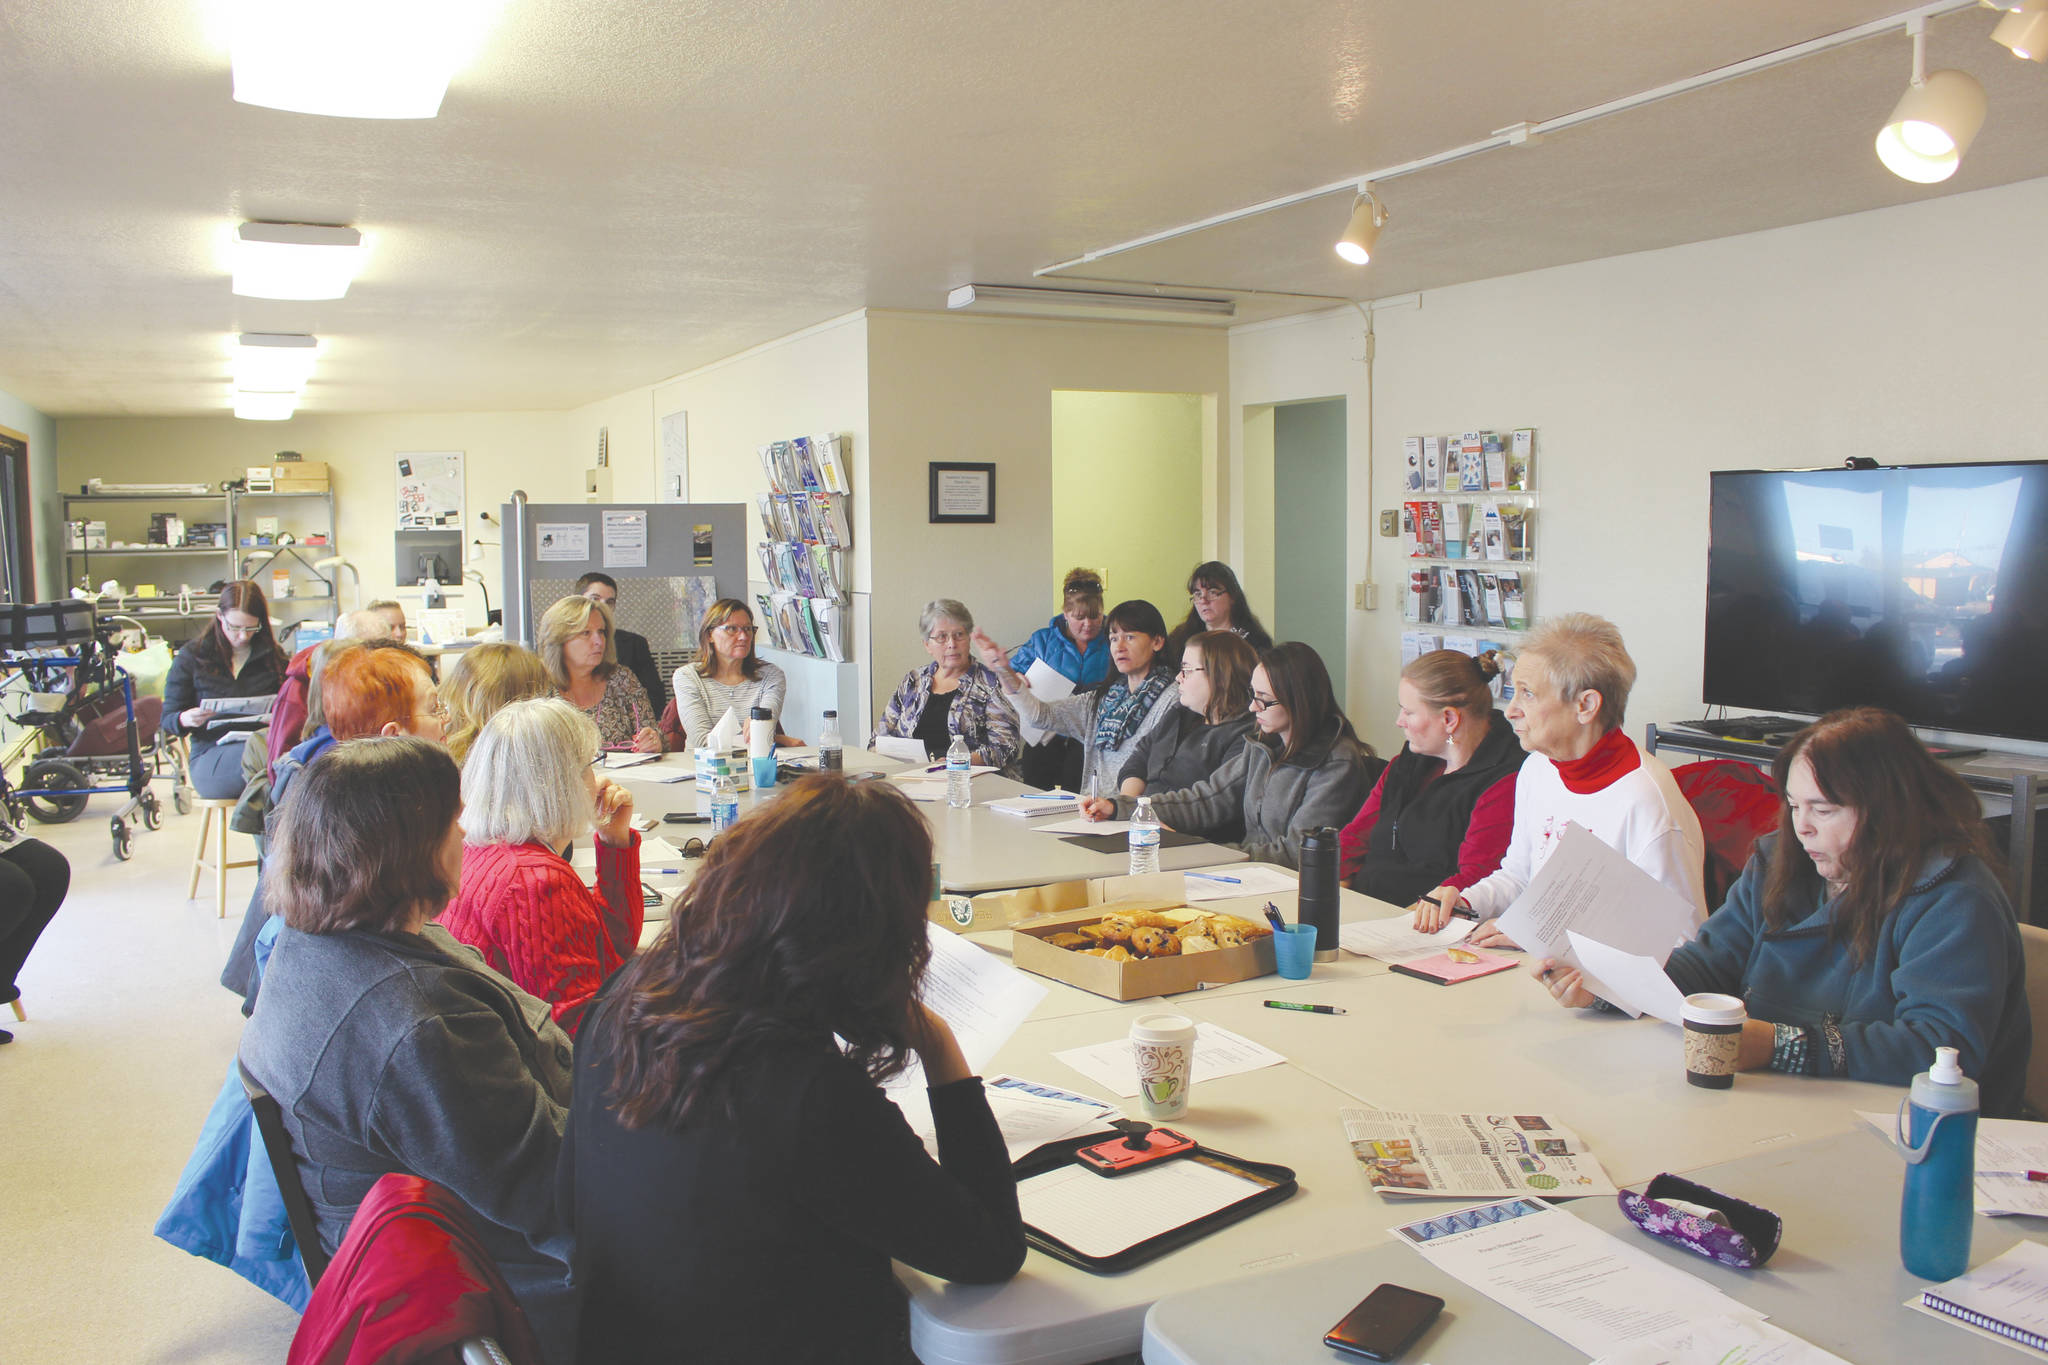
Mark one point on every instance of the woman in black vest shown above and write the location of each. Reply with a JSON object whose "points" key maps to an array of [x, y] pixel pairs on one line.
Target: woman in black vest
{"points": [[1445, 806]]}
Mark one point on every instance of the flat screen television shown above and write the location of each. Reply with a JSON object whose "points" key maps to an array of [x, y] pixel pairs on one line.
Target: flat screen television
{"points": [[1919, 588]]}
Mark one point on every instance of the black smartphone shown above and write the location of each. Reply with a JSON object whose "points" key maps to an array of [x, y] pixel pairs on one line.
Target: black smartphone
{"points": [[684, 817], [1385, 1322]]}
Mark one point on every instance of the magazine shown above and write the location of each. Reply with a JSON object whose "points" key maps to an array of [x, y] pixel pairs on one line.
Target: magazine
{"points": [[1438, 1156]]}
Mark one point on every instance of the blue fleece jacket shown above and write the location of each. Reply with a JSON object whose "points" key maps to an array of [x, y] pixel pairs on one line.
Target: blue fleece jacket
{"points": [[1948, 971], [1052, 644]]}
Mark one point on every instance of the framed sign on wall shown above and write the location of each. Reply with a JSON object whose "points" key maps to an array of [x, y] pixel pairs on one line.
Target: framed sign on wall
{"points": [[962, 492]]}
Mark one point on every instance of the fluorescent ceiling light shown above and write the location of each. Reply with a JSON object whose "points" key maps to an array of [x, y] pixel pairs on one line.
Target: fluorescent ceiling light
{"points": [[1363, 231], [1036, 301], [274, 362], [1927, 134], [353, 58], [296, 260], [2025, 31], [264, 407]]}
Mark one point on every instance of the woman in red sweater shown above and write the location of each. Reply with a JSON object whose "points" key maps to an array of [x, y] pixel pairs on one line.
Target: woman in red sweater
{"points": [[528, 792]]}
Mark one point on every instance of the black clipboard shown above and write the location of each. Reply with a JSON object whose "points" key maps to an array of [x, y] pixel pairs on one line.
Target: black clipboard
{"points": [[1280, 1185], [1117, 843]]}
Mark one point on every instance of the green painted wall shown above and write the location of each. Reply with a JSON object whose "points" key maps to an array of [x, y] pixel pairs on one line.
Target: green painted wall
{"points": [[1127, 493], [1309, 586]]}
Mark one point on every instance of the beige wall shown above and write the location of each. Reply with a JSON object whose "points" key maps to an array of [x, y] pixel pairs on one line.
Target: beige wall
{"points": [[1127, 489], [501, 451], [1896, 334]]}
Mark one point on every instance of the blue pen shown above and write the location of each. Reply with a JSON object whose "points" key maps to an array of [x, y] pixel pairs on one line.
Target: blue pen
{"points": [[661, 871], [1212, 877]]}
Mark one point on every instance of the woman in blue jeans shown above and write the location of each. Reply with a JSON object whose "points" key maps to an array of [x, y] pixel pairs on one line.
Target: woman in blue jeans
{"points": [[236, 657]]}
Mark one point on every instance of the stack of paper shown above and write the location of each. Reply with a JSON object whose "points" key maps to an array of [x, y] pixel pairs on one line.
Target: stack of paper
{"points": [[2010, 1153], [1218, 1053], [1394, 938], [1033, 805], [1237, 879]]}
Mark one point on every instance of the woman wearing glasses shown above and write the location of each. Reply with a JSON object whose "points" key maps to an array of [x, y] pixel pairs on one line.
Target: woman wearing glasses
{"points": [[576, 649], [1110, 718], [1216, 602], [1214, 718], [1303, 769], [726, 676], [528, 790], [236, 657], [952, 695]]}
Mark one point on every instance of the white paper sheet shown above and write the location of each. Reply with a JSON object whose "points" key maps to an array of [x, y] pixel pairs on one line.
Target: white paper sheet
{"points": [[1083, 825], [2012, 1289], [902, 750], [1584, 1286], [1218, 1053], [620, 762], [1394, 938], [665, 770], [1047, 684], [1038, 805], [1589, 887], [1097, 1216], [926, 789], [653, 851], [980, 995], [1237, 879], [1722, 1341], [1633, 984], [2006, 1150], [1030, 1113]]}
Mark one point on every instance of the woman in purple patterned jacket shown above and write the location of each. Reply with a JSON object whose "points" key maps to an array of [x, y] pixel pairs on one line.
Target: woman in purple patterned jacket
{"points": [[953, 694]]}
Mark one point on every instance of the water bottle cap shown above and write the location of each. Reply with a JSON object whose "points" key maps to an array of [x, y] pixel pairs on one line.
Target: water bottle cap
{"points": [[831, 715], [1947, 1068]]}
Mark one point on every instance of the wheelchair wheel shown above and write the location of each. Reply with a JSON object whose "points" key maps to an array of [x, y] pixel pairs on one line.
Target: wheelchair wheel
{"points": [[152, 810], [124, 839], [59, 775]]}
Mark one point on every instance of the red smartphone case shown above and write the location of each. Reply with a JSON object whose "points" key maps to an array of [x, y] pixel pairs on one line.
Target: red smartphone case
{"points": [[1119, 1157]]}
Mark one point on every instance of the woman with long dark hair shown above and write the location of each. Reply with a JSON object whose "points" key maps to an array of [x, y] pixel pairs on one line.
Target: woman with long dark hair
{"points": [[737, 1180], [236, 656], [1216, 602], [1871, 929], [1213, 719]]}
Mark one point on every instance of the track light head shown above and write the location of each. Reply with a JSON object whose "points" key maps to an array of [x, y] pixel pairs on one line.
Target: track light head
{"points": [[2025, 31], [1934, 122], [1363, 231]]}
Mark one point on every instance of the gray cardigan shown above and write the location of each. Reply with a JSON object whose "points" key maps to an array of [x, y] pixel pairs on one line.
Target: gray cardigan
{"points": [[404, 1052], [1324, 784], [1074, 717]]}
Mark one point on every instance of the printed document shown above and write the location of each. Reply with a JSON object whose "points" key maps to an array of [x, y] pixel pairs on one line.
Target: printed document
{"points": [[1588, 887], [1394, 938], [655, 850], [2007, 1149], [1722, 1341], [1581, 1285], [1030, 1113], [1218, 1053], [1226, 880], [1097, 1216], [1431, 1156], [1635, 985], [1047, 684], [902, 750]]}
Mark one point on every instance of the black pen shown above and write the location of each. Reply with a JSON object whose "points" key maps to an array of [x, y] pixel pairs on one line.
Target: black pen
{"points": [[1273, 918], [1305, 1009], [1457, 911]]}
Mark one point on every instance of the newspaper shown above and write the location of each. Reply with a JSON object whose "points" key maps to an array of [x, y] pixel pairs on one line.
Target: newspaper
{"points": [[1436, 1156]]}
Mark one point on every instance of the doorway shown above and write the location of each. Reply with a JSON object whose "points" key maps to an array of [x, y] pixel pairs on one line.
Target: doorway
{"points": [[1310, 576], [1127, 492]]}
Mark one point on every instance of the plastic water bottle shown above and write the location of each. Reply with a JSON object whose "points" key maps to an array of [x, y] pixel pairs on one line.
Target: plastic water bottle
{"points": [[1939, 1141], [725, 806], [1144, 839], [831, 749], [959, 788]]}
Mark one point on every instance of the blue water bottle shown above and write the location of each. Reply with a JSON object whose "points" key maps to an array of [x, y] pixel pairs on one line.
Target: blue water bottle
{"points": [[1938, 1138]]}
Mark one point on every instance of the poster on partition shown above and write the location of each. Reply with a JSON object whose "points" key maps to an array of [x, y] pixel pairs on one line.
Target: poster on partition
{"points": [[429, 488]]}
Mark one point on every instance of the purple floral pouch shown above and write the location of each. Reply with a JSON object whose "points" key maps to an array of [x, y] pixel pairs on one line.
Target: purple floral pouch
{"points": [[1747, 1242]]}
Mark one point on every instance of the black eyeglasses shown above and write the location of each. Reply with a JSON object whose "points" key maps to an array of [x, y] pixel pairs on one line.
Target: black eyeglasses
{"points": [[1260, 703]]}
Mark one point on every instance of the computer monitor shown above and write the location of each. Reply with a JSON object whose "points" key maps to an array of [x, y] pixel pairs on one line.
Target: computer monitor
{"points": [[428, 554]]}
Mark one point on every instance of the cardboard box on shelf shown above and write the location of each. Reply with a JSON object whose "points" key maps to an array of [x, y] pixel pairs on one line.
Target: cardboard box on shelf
{"points": [[300, 469], [301, 485]]}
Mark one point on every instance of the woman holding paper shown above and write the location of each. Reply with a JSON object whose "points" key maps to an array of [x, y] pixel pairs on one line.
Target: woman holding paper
{"points": [[737, 1179], [1572, 681], [1442, 811], [1871, 929], [528, 790], [236, 656], [727, 676], [952, 695], [1071, 646], [1110, 718], [575, 647]]}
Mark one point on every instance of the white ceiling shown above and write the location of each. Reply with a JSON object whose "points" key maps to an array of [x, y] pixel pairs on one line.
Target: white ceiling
{"points": [[616, 192]]}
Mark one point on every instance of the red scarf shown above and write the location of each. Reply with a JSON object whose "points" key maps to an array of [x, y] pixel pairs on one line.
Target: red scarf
{"points": [[1612, 759]]}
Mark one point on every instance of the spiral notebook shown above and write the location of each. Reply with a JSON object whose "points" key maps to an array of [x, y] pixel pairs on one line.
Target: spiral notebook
{"points": [[2006, 1297]]}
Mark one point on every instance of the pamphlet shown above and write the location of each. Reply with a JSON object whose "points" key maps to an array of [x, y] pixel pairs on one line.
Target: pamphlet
{"points": [[1434, 1156], [1412, 473], [1521, 458], [1047, 684], [1432, 464], [1472, 465]]}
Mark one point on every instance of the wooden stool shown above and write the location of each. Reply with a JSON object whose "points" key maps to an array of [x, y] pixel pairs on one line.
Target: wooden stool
{"points": [[214, 812], [21, 1014]]}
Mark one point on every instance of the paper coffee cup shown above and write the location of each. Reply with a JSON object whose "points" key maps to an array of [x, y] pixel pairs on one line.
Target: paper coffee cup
{"points": [[1163, 1046], [1713, 1036]]}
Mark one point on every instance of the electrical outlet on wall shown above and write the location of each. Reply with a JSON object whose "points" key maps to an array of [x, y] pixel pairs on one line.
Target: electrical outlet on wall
{"points": [[1390, 522]]}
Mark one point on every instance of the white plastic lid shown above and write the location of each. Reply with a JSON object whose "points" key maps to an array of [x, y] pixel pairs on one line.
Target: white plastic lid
{"points": [[1947, 1068]]}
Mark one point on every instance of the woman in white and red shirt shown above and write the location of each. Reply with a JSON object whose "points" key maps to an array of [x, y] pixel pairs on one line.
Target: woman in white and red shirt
{"points": [[1572, 682]]}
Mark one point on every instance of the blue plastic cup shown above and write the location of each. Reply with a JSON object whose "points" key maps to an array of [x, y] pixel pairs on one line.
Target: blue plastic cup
{"points": [[764, 772], [1294, 948]]}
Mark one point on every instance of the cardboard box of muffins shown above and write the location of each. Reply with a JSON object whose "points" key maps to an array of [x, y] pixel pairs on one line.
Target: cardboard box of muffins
{"points": [[1132, 947]]}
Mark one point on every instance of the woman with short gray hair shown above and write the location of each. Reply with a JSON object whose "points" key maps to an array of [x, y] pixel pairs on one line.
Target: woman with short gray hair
{"points": [[953, 694], [529, 791]]}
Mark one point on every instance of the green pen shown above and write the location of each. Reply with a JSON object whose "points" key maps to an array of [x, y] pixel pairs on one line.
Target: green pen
{"points": [[1305, 1009]]}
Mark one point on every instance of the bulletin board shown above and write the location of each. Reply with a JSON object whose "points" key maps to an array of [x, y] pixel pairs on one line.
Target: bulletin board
{"points": [[429, 488]]}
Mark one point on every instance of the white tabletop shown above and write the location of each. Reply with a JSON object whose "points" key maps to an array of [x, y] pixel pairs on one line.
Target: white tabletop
{"points": [[1835, 1281]]}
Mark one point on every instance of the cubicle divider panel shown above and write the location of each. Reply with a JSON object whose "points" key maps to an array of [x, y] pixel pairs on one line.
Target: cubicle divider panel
{"points": [[671, 560]]}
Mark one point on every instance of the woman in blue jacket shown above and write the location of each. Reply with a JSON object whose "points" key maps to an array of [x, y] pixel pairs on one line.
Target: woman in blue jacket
{"points": [[1872, 928], [1075, 645]]}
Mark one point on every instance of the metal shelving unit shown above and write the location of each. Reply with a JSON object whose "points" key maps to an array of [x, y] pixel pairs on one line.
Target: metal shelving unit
{"points": [[261, 562]]}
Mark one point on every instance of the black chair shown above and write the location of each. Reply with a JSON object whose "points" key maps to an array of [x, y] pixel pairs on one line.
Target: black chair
{"points": [[298, 1210]]}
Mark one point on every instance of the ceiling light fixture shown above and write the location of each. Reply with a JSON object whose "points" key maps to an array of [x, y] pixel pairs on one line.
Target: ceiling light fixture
{"points": [[1038, 301], [274, 362], [353, 58], [1363, 231], [252, 406], [296, 260], [2025, 30], [1927, 134]]}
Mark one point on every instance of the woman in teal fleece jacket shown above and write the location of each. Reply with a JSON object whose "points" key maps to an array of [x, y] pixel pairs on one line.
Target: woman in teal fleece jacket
{"points": [[1871, 928]]}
